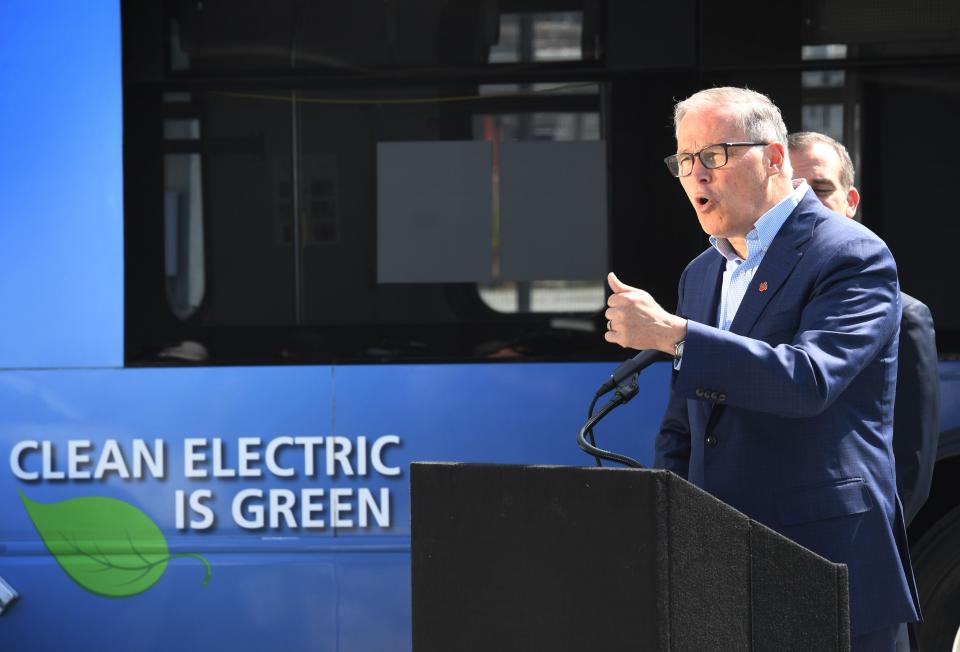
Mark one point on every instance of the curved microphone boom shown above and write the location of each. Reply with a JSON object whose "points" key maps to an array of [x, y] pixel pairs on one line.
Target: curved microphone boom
{"points": [[624, 379], [625, 391]]}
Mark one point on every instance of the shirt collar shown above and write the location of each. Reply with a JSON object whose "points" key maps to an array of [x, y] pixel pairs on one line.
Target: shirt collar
{"points": [[766, 227]]}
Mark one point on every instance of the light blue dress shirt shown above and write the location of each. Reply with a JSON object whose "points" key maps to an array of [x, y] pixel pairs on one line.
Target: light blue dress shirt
{"points": [[739, 272]]}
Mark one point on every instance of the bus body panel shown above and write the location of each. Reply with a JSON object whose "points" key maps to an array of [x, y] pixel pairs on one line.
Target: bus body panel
{"points": [[61, 186], [949, 395], [289, 586]]}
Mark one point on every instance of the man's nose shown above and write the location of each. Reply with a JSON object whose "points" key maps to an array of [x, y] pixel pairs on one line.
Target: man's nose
{"points": [[700, 171]]}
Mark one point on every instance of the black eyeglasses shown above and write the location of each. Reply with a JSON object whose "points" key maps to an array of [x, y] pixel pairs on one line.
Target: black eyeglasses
{"points": [[711, 156]]}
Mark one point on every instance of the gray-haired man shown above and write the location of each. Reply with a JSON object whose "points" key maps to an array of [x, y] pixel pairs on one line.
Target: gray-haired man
{"points": [[781, 400]]}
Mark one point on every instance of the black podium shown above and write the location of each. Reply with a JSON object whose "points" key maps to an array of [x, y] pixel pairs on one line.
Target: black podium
{"points": [[563, 558]]}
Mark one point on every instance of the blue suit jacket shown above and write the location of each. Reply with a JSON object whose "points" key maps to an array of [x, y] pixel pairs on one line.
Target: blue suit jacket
{"points": [[788, 416]]}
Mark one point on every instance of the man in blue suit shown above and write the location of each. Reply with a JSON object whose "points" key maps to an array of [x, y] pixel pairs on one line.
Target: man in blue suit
{"points": [[781, 403]]}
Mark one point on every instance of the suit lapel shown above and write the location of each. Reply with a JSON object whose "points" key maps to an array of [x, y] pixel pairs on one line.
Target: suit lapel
{"points": [[779, 261], [703, 304]]}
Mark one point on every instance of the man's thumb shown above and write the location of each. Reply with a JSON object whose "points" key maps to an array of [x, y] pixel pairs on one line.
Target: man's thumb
{"points": [[616, 285]]}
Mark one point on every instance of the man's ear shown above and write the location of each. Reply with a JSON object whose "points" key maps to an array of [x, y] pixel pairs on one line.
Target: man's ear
{"points": [[853, 200], [777, 156]]}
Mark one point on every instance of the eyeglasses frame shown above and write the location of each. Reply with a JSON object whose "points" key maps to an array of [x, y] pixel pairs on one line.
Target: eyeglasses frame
{"points": [[726, 156]]}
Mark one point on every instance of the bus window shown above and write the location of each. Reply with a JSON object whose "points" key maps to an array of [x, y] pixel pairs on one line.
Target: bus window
{"points": [[305, 203]]}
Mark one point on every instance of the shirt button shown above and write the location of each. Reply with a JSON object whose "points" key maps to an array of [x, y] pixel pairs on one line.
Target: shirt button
{"points": [[711, 441]]}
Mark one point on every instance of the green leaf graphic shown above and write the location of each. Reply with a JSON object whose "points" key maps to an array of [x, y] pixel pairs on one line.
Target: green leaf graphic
{"points": [[105, 545]]}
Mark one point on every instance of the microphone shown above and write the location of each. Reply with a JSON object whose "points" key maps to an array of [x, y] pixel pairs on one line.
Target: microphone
{"points": [[634, 365]]}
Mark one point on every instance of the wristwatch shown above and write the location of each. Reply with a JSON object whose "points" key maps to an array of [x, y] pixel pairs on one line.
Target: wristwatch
{"points": [[677, 355]]}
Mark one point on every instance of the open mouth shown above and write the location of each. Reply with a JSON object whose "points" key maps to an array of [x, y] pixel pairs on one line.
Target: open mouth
{"points": [[701, 201]]}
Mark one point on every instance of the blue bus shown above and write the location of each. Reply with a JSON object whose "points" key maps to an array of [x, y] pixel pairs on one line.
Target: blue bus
{"points": [[261, 257]]}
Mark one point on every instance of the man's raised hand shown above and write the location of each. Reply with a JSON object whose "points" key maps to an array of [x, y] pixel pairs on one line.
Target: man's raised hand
{"points": [[635, 320]]}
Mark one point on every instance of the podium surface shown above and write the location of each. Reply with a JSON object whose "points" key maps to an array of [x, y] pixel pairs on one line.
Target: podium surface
{"points": [[508, 557]]}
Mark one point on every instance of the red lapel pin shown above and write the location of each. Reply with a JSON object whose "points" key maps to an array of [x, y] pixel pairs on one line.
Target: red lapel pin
{"points": [[763, 286]]}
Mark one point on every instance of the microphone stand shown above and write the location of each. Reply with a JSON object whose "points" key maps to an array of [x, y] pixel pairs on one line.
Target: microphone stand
{"points": [[624, 392], [593, 442]]}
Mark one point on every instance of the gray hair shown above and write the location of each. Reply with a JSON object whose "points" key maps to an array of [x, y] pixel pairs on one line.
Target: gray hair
{"points": [[754, 113], [803, 139]]}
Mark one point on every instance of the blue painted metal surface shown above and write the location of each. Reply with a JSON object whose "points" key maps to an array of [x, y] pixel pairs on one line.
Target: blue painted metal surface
{"points": [[61, 220], [284, 587], [949, 395]]}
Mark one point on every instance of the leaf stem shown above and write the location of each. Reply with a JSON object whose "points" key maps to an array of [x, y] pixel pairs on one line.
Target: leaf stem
{"points": [[206, 564]]}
